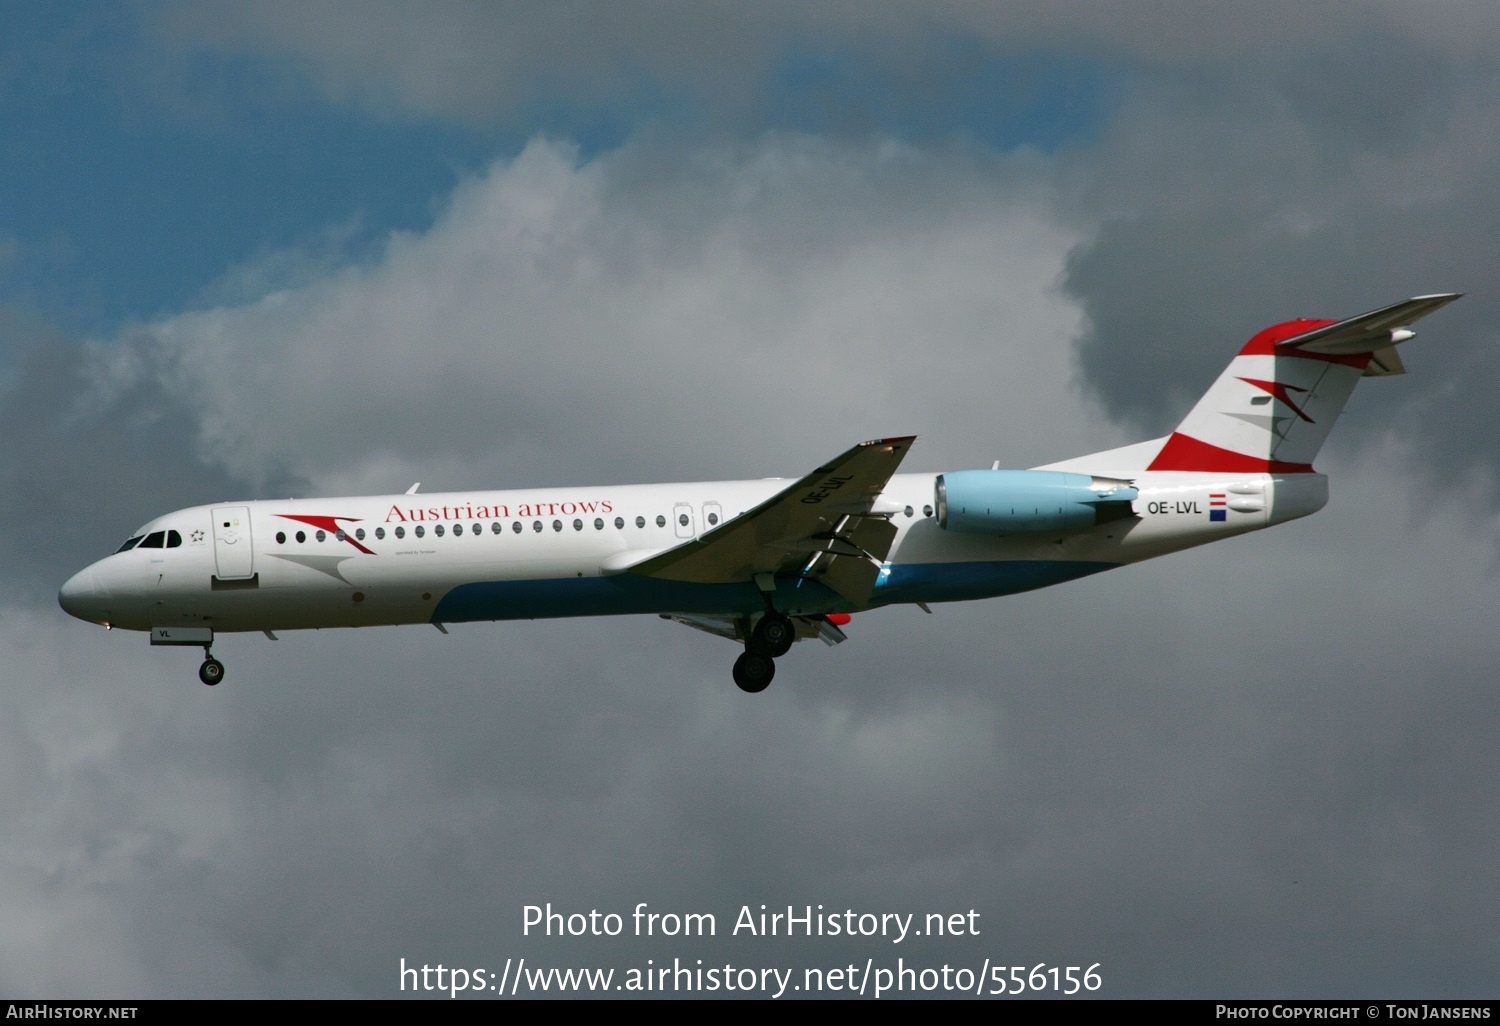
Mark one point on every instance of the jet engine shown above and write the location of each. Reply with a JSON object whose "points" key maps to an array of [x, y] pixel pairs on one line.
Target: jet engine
{"points": [[1029, 501]]}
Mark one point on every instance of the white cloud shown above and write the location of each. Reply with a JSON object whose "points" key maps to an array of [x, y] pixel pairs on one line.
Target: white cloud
{"points": [[746, 312]]}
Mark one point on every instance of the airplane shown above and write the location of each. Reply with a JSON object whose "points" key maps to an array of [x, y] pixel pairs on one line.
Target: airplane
{"points": [[763, 563]]}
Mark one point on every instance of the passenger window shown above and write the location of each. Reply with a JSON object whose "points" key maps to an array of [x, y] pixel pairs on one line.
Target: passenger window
{"points": [[340, 535], [598, 525], [619, 523], [400, 532], [280, 537], [927, 511], [578, 525], [557, 525], [496, 527], [173, 539], [438, 530], [640, 521], [909, 511], [301, 537], [154, 540], [130, 543], [516, 527], [359, 534], [321, 536], [380, 534], [458, 529], [683, 519], [661, 521], [478, 529], [536, 525], [713, 518], [419, 530]]}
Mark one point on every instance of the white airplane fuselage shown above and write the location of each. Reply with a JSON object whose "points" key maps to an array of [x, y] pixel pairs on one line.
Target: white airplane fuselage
{"points": [[538, 553]]}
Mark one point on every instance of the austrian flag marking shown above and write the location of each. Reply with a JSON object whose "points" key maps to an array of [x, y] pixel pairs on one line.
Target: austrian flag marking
{"points": [[1218, 506]]}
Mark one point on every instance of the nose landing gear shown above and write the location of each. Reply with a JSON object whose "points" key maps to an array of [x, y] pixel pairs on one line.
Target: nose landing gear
{"points": [[212, 671]]}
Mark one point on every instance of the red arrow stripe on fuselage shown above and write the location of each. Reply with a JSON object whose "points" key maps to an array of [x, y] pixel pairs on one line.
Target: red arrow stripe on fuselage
{"points": [[329, 524]]}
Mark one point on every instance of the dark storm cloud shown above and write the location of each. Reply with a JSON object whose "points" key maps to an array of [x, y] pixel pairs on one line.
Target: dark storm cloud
{"points": [[1223, 206], [490, 62]]}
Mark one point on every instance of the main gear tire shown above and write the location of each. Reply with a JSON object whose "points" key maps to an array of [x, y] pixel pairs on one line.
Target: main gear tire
{"points": [[753, 672], [774, 635]]}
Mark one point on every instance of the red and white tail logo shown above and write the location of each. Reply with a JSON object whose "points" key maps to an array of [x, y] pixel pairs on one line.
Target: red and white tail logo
{"points": [[1273, 406], [1270, 410]]}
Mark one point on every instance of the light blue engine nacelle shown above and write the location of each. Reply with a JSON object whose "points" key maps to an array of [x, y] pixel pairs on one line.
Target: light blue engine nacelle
{"points": [[1029, 501]]}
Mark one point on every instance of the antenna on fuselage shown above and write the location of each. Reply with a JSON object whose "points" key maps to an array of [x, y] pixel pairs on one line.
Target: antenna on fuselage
{"points": [[413, 489]]}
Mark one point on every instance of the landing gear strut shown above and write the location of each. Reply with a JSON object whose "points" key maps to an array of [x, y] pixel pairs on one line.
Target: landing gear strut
{"points": [[212, 671]]}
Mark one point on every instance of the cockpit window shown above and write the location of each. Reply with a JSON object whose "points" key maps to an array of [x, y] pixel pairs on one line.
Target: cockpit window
{"points": [[130, 544], [154, 540], [173, 539]]}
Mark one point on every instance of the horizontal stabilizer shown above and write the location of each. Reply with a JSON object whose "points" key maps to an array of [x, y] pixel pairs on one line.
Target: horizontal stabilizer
{"points": [[1369, 332]]}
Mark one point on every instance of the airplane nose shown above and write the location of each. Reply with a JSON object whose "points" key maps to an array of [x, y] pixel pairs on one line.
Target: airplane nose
{"points": [[83, 597]]}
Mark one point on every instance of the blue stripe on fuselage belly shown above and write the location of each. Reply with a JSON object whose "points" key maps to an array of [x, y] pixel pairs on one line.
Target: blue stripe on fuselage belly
{"points": [[628, 593], [959, 582], [620, 593]]}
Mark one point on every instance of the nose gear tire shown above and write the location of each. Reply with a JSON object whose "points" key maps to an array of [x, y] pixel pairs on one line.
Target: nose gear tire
{"points": [[211, 672]]}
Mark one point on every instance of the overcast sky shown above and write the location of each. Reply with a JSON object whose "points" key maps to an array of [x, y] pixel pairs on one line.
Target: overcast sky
{"points": [[259, 249]]}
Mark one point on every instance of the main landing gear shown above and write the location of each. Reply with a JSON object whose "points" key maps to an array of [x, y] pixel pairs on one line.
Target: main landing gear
{"points": [[772, 637]]}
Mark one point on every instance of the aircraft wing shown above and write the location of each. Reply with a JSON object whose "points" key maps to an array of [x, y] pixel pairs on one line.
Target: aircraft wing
{"points": [[823, 526]]}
